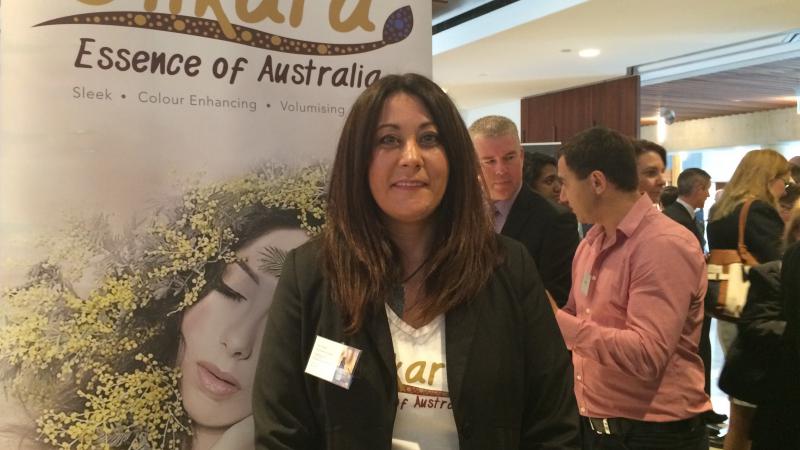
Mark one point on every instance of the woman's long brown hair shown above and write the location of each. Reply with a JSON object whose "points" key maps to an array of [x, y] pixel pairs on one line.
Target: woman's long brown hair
{"points": [[361, 263]]}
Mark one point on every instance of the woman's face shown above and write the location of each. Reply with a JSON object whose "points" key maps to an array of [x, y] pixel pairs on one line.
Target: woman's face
{"points": [[548, 184], [651, 175], [777, 186], [409, 170], [222, 335]]}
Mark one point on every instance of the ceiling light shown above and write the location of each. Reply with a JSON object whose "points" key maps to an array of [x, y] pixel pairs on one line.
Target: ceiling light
{"points": [[589, 53]]}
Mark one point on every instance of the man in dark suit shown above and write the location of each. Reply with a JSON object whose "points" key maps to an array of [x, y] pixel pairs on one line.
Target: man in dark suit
{"points": [[549, 231], [693, 186]]}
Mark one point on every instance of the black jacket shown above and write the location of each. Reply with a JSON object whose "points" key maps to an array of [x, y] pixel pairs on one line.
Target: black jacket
{"points": [[550, 233], [508, 370], [762, 234], [678, 213]]}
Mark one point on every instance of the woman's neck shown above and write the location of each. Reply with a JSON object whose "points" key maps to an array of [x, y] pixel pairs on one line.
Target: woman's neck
{"points": [[414, 243], [203, 438]]}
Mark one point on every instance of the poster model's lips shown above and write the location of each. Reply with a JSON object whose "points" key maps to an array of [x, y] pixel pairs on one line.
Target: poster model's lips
{"points": [[396, 28]]}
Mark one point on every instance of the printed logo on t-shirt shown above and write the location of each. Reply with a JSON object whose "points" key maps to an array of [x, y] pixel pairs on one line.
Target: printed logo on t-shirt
{"points": [[417, 381]]}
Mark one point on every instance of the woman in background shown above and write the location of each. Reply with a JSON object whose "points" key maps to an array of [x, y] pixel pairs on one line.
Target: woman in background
{"points": [[651, 162], [458, 345], [539, 171], [762, 177]]}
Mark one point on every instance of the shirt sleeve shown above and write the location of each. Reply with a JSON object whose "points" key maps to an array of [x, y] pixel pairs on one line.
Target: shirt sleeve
{"points": [[667, 276]]}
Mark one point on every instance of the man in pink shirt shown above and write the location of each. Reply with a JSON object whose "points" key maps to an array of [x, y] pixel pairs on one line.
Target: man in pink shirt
{"points": [[633, 317]]}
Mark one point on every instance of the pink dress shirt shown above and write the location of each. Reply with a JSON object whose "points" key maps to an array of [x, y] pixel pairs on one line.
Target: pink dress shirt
{"points": [[633, 320]]}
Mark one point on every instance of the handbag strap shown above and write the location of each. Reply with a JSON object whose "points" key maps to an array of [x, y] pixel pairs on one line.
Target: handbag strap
{"points": [[745, 254]]}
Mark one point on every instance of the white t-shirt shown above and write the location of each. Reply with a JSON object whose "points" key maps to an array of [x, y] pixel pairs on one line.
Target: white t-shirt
{"points": [[424, 418]]}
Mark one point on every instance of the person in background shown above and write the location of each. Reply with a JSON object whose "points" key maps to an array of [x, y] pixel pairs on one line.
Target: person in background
{"points": [[767, 329], [693, 191], [549, 231], [787, 200], [634, 314], [794, 168], [651, 162], [668, 196], [761, 176], [458, 347], [540, 174]]}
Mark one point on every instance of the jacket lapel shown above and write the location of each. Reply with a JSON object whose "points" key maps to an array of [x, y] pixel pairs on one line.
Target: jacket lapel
{"points": [[460, 328], [517, 214], [377, 328]]}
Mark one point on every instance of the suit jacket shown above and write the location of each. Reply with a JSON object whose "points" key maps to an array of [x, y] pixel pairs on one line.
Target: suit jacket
{"points": [[550, 233], [762, 232], [508, 370], [678, 213]]}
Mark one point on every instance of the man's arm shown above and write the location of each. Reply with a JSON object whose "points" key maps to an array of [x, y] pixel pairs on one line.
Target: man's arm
{"points": [[667, 275]]}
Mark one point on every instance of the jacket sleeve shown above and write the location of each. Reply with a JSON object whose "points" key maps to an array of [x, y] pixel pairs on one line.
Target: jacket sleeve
{"points": [[762, 323], [282, 411], [790, 284], [550, 417], [763, 232], [558, 249]]}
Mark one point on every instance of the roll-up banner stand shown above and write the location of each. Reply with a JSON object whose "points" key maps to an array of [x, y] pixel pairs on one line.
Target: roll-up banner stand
{"points": [[158, 159]]}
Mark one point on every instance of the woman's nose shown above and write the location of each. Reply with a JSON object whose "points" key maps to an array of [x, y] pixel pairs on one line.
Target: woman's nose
{"points": [[239, 338], [411, 157]]}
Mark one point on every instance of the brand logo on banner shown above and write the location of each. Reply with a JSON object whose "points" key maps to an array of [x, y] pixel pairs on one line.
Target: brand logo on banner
{"points": [[397, 26], [159, 161]]}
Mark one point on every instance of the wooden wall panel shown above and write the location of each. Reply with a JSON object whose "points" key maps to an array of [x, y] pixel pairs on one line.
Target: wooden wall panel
{"points": [[560, 115]]}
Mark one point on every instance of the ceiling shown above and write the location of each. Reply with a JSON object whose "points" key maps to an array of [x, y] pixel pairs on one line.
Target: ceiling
{"points": [[531, 46], [754, 88]]}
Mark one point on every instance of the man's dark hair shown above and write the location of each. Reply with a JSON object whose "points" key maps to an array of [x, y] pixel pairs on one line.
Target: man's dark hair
{"points": [[533, 164], [689, 178], [642, 146], [668, 196], [604, 150]]}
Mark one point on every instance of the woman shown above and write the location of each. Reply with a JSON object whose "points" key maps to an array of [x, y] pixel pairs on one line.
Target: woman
{"points": [[769, 337], [651, 162], [162, 353], [539, 171], [458, 347], [761, 176]]}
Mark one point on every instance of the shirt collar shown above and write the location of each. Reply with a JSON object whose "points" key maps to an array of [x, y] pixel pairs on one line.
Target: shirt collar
{"points": [[688, 207], [631, 221], [504, 206]]}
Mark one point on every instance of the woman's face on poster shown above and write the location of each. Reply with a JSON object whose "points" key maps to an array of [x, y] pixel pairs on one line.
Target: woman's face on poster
{"points": [[222, 335]]}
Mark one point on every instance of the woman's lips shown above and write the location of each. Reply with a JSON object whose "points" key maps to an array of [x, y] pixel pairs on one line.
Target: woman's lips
{"points": [[408, 184], [216, 382]]}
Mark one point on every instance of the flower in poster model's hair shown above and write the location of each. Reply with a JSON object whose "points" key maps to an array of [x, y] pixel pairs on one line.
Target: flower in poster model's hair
{"points": [[99, 370]]}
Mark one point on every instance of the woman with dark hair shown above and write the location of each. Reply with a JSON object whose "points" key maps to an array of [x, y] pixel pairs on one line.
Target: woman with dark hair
{"points": [[458, 346], [162, 353], [651, 162], [539, 171]]}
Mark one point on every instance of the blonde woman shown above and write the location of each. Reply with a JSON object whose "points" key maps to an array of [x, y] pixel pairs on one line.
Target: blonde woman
{"points": [[762, 176]]}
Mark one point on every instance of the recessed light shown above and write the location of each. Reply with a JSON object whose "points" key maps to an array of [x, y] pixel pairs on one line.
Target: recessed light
{"points": [[589, 53]]}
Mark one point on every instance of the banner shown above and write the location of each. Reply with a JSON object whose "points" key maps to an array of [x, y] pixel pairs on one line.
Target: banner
{"points": [[154, 157]]}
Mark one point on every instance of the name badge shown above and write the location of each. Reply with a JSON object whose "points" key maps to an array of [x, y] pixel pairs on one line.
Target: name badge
{"points": [[333, 362], [587, 278]]}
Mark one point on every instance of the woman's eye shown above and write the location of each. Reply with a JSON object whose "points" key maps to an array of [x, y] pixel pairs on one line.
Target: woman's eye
{"points": [[429, 140], [228, 292], [388, 140]]}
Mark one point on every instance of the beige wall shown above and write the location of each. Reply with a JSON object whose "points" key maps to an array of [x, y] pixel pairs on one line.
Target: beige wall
{"points": [[760, 128]]}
